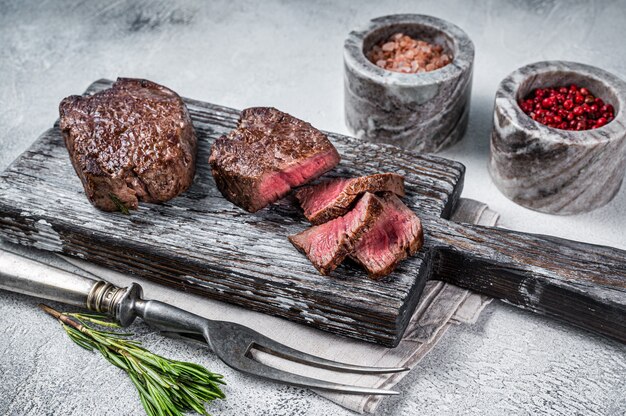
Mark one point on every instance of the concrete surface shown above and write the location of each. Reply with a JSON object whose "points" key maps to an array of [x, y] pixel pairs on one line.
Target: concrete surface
{"points": [[288, 54]]}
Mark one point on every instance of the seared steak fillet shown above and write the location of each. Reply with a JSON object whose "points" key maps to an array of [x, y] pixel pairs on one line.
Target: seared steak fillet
{"points": [[268, 153], [327, 245], [396, 235], [132, 142], [333, 198]]}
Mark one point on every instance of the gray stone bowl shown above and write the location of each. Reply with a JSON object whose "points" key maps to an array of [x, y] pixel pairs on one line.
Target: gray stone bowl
{"points": [[551, 170], [424, 112]]}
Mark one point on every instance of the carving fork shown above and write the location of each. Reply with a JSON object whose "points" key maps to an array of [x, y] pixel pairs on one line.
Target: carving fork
{"points": [[231, 342]]}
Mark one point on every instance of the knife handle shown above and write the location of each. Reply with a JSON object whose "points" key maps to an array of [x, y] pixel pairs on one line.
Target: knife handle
{"points": [[581, 283], [29, 277]]}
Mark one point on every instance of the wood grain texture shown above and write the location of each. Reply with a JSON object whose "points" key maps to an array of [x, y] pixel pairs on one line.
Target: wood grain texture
{"points": [[203, 244], [579, 283]]}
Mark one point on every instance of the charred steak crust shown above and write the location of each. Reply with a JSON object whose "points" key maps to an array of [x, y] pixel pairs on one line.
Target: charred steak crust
{"points": [[268, 153], [134, 142], [335, 197], [328, 244], [396, 235]]}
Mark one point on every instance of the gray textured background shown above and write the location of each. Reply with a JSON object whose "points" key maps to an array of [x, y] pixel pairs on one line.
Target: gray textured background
{"points": [[288, 54]]}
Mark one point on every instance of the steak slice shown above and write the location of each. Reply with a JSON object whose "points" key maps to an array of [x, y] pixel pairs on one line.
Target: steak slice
{"points": [[327, 245], [396, 235], [132, 142], [335, 197], [268, 153]]}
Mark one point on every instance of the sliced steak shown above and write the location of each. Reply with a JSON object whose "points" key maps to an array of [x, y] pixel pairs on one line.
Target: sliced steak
{"points": [[327, 245], [132, 142], [334, 198], [396, 235], [268, 153]]}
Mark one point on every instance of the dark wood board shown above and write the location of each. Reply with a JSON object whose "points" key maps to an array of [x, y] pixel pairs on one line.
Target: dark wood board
{"points": [[201, 243], [580, 283]]}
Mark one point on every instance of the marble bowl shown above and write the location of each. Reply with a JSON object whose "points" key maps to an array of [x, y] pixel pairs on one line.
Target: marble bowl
{"points": [[423, 112], [551, 170]]}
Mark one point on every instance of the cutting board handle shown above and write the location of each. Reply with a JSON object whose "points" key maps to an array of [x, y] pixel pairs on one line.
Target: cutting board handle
{"points": [[580, 283]]}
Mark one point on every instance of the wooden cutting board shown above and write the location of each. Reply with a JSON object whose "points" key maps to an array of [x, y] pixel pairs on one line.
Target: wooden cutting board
{"points": [[201, 243]]}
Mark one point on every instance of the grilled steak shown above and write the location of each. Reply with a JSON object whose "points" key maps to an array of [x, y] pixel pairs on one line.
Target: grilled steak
{"points": [[334, 198], [268, 153], [132, 142], [396, 235], [327, 245]]}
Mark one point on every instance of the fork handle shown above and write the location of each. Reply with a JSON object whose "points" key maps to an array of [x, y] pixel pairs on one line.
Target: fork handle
{"points": [[29, 277], [168, 318]]}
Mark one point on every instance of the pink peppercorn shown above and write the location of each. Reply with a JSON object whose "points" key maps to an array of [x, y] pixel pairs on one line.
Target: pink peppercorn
{"points": [[567, 108]]}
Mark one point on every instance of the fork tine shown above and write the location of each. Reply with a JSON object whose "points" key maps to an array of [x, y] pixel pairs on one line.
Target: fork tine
{"points": [[280, 350], [249, 365], [242, 362], [270, 346]]}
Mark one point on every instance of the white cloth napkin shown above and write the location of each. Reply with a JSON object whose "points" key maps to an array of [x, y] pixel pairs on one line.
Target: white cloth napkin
{"points": [[441, 305]]}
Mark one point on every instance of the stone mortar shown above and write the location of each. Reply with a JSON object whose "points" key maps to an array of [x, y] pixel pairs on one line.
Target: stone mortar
{"points": [[424, 112], [552, 170]]}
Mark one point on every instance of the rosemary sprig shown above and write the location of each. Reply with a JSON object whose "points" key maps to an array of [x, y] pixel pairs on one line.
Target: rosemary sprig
{"points": [[121, 207], [166, 387]]}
